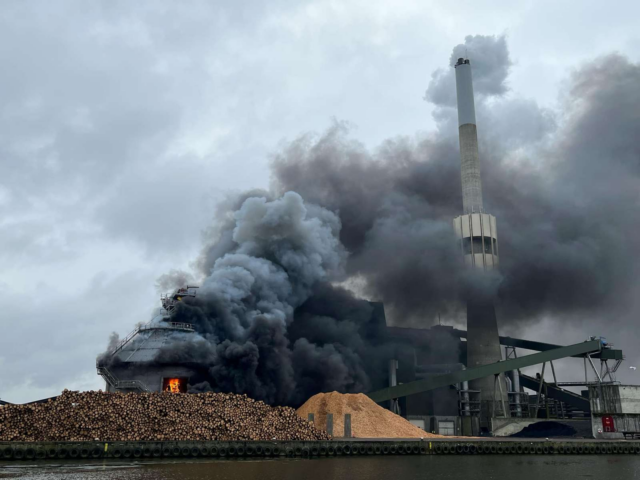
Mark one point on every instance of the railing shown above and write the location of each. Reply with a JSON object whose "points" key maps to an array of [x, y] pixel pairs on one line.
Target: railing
{"points": [[185, 327], [127, 339], [574, 384], [119, 384], [468, 402], [519, 404], [553, 408]]}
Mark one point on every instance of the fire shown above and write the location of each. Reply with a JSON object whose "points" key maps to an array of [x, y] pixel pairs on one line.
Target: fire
{"points": [[173, 385]]}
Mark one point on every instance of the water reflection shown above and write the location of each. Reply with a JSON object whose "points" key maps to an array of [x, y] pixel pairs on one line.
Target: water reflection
{"points": [[339, 468]]}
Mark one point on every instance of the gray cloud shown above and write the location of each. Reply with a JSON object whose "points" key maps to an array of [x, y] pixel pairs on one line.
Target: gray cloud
{"points": [[122, 125], [64, 335]]}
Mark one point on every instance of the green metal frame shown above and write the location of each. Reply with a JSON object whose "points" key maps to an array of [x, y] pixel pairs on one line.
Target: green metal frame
{"points": [[604, 354], [557, 393], [437, 381]]}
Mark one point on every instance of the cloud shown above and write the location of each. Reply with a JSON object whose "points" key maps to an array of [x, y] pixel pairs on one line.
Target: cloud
{"points": [[122, 125], [50, 337]]}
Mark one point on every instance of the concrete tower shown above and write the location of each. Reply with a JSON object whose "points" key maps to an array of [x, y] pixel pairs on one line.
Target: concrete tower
{"points": [[478, 239]]}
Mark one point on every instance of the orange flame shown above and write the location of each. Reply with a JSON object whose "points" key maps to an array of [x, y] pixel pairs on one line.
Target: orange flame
{"points": [[173, 385]]}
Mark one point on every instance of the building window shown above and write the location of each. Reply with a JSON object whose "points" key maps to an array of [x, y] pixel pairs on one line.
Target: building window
{"points": [[487, 245], [466, 246], [477, 244]]}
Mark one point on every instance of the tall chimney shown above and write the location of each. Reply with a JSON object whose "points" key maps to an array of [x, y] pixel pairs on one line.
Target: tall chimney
{"points": [[478, 241], [470, 168]]}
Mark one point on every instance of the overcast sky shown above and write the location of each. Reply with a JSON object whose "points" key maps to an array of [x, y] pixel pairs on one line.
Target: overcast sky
{"points": [[123, 123]]}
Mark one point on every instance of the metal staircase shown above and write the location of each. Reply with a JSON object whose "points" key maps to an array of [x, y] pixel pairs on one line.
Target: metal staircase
{"points": [[127, 339], [120, 384]]}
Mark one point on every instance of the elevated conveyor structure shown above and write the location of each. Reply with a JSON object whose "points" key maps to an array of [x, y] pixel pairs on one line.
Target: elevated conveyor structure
{"points": [[579, 402], [592, 347], [604, 354]]}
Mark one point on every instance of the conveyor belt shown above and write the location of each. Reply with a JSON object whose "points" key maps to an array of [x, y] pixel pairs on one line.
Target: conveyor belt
{"points": [[557, 393], [437, 381]]}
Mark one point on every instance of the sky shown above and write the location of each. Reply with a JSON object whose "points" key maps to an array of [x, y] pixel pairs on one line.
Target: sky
{"points": [[123, 125]]}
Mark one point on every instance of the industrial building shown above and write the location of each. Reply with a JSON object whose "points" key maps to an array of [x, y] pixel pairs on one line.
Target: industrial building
{"points": [[442, 379], [450, 386]]}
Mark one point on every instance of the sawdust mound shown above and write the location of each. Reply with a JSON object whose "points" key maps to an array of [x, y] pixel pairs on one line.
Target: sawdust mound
{"points": [[368, 419]]}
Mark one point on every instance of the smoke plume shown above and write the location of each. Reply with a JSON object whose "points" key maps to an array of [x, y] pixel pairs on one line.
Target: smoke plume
{"points": [[564, 195], [274, 254], [563, 184]]}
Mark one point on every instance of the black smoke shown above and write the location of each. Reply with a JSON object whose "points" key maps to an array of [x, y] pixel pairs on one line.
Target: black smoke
{"points": [[269, 321], [563, 185], [271, 316]]}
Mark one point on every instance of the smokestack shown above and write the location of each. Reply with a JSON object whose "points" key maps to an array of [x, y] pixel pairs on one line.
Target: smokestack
{"points": [[475, 229], [478, 237], [470, 167]]}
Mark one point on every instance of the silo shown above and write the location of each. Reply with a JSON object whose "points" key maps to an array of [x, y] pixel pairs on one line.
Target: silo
{"points": [[134, 363]]}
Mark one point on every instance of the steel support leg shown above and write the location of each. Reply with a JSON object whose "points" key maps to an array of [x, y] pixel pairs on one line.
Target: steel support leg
{"points": [[493, 402], [553, 370], [504, 408], [540, 390]]}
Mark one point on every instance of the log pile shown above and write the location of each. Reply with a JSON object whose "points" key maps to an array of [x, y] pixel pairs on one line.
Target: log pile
{"points": [[87, 416]]}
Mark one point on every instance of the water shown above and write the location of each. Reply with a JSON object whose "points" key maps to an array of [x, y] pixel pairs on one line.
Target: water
{"points": [[432, 467]]}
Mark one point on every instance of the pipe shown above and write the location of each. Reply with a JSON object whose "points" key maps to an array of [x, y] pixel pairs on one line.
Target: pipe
{"points": [[465, 396], [505, 411], [393, 381], [516, 388]]}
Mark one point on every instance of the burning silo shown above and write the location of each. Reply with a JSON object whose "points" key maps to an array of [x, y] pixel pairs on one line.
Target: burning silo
{"points": [[131, 364], [267, 320]]}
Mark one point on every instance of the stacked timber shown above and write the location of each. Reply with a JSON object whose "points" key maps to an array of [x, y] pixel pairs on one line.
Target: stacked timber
{"points": [[86, 416]]}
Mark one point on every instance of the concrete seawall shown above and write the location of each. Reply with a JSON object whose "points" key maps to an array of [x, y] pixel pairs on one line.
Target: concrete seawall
{"points": [[134, 450]]}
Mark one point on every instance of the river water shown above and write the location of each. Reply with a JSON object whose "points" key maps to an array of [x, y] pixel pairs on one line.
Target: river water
{"points": [[452, 467]]}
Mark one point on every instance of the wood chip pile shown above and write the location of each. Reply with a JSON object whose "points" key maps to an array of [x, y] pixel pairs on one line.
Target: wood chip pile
{"points": [[83, 416], [368, 419]]}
